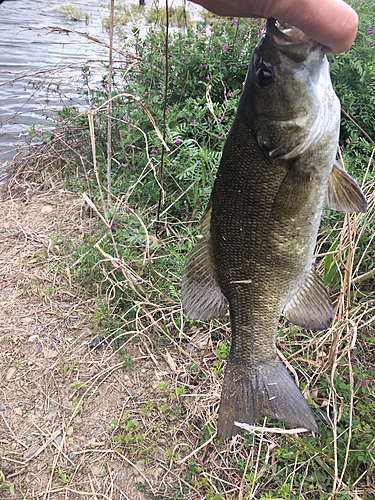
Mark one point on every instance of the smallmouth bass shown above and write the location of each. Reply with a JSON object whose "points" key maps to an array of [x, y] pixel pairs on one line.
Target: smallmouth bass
{"points": [[259, 231]]}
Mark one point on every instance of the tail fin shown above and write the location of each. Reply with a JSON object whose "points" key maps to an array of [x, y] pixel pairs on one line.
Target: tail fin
{"points": [[265, 391]]}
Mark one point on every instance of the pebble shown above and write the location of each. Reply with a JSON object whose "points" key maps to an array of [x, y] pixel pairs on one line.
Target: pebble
{"points": [[46, 209], [11, 372], [189, 347], [95, 342], [32, 338], [156, 474], [58, 440], [140, 465], [96, 469], [69, 432], [26, 321], [78, 420], [30, 452], [122, 474], [2, 408], [38, 413], [18, 411], [51, 414], [64, 306]]}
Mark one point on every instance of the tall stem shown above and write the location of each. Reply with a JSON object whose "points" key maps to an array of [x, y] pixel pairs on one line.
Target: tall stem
{"points": [[109, 129]]}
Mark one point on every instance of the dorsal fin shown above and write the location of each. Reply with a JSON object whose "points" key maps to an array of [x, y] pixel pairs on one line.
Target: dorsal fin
{"points": [[311, 307], [202, 297], [343, 193]]}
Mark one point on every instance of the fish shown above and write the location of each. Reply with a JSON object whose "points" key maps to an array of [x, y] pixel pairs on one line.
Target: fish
{"points": [[255, 255]]}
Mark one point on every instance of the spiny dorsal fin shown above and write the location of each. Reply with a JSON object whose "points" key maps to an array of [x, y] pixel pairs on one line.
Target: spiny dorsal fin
{"points": [[202, 297], [343, 193], [311, 307]]}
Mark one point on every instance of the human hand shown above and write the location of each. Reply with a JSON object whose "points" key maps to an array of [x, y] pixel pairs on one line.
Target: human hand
{"points": [[331, 22]]}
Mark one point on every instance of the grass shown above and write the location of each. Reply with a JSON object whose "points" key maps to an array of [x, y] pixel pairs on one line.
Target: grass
{"points": [[135, 271]]}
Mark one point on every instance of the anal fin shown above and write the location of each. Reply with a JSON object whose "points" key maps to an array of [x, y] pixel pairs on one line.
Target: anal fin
{"points": [[201, 295], [311, 307], [343, 193], [267, 390]]}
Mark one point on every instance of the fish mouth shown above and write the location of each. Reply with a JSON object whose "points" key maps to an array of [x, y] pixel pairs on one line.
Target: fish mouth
{"points": [[286, 34]]}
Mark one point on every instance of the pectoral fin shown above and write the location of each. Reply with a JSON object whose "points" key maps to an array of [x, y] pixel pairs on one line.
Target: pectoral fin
{"points": [[343, 193], [202, 297], [311, 307], [293, 190]]}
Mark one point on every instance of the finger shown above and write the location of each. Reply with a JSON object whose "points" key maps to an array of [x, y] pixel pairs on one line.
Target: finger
{"points": [[331, 22]]}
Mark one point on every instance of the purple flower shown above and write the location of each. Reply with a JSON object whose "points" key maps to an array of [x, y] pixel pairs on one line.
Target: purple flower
{"points": [[177, 141], [160, 96], [123, 164], [60, 120], [139, 107], [351, 489], [235, 22], [193, 122], [184, 58], [230, 94], [347, 141], [207, 77], [221, 137], [160, 86], [83, 154], [363, 383], [175, 165], [146, 94], [167, 110], [373, 83]]}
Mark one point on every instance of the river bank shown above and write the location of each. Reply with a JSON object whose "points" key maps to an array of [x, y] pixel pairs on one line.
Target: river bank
{"points": [[108, 390]]}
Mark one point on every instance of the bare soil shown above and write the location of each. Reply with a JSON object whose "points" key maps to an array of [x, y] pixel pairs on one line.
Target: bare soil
{"points": [[77, 420], [56, 441]]}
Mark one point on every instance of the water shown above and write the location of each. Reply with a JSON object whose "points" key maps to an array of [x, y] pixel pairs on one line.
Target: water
{"points": [[40, 71]]}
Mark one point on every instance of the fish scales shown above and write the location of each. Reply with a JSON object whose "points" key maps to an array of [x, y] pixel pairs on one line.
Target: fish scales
{"points": [[259, 231]]}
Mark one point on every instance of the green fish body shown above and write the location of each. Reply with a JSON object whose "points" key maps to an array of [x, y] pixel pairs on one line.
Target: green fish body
{"points": [[259, 232]]}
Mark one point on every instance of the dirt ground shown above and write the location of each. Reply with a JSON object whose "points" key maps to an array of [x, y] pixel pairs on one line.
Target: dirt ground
{"points": [[58, 395]]}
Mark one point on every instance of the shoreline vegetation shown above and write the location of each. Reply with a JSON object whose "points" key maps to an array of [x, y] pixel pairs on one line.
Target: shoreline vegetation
{"points": [[170, 98]]}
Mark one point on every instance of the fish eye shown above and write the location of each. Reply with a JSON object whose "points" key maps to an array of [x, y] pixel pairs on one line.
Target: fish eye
{"points": [[265, 76]]}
